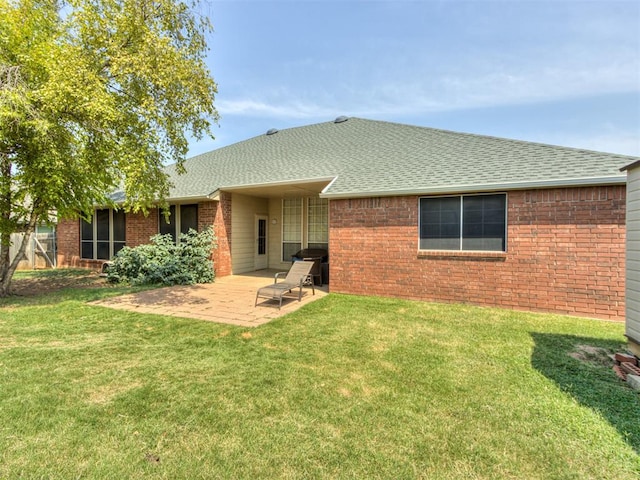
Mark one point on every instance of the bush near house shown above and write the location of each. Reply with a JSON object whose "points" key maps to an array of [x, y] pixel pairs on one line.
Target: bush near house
{"points": [[165, 262]]}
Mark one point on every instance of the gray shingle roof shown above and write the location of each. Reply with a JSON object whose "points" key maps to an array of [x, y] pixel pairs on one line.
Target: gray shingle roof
{"points": [[368, 157]]}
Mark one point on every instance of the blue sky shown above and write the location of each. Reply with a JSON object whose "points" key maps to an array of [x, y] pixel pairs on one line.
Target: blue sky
{"points": [[563, 72]]}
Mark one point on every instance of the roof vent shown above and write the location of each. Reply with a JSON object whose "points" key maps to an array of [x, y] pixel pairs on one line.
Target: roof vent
{"points": [[271, 131], [341, 119]]}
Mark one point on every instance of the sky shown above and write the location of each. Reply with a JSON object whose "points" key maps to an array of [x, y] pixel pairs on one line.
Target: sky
{"points": [[561, 72]]}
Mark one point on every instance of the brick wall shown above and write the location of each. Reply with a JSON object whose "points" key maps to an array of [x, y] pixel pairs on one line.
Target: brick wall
{"points": [[68, 245], [141, 228], [222, 229], [565, 253]]}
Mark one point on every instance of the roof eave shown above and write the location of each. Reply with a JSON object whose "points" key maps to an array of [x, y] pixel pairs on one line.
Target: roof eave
{"points": [[280, 183], [194, 198], [630, 166], [490, 187]]}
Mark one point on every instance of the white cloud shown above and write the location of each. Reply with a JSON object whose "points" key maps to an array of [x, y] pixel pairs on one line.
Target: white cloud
{"points": [[278, 109], [416, 76], [419, 92]]}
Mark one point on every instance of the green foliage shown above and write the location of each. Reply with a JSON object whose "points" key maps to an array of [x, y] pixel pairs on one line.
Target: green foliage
{"points": [[165, 262], [96, 96]]}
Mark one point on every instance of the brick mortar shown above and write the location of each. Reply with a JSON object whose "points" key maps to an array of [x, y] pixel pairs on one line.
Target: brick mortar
{"points": [[140, 228], [565, 253]]}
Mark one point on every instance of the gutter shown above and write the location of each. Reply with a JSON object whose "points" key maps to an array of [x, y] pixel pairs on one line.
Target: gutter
{"points": [[488, 187], [172, 199], [328, 187], [186, 199]]}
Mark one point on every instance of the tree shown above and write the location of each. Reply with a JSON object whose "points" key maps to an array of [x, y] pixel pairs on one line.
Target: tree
{"points": [[95, 96]]}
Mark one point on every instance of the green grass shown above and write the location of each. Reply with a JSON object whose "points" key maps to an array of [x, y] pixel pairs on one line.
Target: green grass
{"points": [[347, 387]]}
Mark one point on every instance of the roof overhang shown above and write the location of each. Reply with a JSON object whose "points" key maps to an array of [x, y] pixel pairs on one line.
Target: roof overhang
{"points": [[489, 187], [306, 187], [119, 199], [198, 198], [630, 166]]}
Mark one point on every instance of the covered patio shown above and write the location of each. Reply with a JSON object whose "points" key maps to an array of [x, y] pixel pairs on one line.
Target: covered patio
{"points": [[228, 300]]}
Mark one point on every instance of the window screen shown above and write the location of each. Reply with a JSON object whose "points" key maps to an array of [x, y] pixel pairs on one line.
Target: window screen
{"points": [[104, 235], [291, 227], [471, 222], [318, 223]]}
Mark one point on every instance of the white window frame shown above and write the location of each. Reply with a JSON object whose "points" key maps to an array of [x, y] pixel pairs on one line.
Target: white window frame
{"points": [[324, 204], [283, 225]]}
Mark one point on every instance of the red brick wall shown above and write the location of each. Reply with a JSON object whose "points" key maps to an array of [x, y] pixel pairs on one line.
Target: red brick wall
{"points": [[218, 214], [222, 230], [141, 228], [68, 245], [565, 253]]}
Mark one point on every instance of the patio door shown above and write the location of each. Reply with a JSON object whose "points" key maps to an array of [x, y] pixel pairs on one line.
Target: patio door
{"points": [[261, 260]]}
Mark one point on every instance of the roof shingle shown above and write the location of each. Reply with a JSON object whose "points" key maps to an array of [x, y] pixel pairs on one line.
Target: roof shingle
{"points": [[368, 157]]}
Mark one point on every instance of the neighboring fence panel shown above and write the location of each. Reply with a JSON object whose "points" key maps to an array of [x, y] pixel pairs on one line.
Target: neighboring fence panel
{"points": [[40, 252]]}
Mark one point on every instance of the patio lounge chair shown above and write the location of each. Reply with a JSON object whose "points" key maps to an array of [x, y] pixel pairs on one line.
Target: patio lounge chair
{"points": [[299, 275]]}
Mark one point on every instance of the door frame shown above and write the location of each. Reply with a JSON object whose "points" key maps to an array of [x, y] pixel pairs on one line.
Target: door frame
{"points": [[260, 260]]}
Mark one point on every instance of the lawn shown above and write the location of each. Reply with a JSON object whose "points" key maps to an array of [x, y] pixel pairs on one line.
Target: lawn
{"points": [[346, 387]]}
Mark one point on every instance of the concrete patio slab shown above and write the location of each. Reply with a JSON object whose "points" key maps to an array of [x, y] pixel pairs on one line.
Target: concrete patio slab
{"points": [[228, 300]]}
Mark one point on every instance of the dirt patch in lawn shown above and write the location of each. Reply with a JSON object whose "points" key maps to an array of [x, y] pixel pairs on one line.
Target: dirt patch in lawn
{"points": [[593, 355], [54, 280]]}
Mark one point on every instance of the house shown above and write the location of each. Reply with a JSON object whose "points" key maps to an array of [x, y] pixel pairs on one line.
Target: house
{"points": [[632, 326], [404, 211]]}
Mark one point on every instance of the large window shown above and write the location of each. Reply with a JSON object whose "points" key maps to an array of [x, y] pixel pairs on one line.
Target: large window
{"points": [[318, 223], [181, 219], [291, 227], [466, 222], [103, 236], [305, 224]]}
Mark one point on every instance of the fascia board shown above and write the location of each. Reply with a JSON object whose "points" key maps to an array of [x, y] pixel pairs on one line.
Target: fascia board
{"points": [[281, 183], [489, 187]]}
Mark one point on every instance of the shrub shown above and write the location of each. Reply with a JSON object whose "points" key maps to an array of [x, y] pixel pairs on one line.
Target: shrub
{"points": [[164, 262]]}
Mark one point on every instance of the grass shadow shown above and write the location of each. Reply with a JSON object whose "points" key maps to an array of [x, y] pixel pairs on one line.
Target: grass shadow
{"points": [[83, 295], [580, 366], [50, 287]]}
